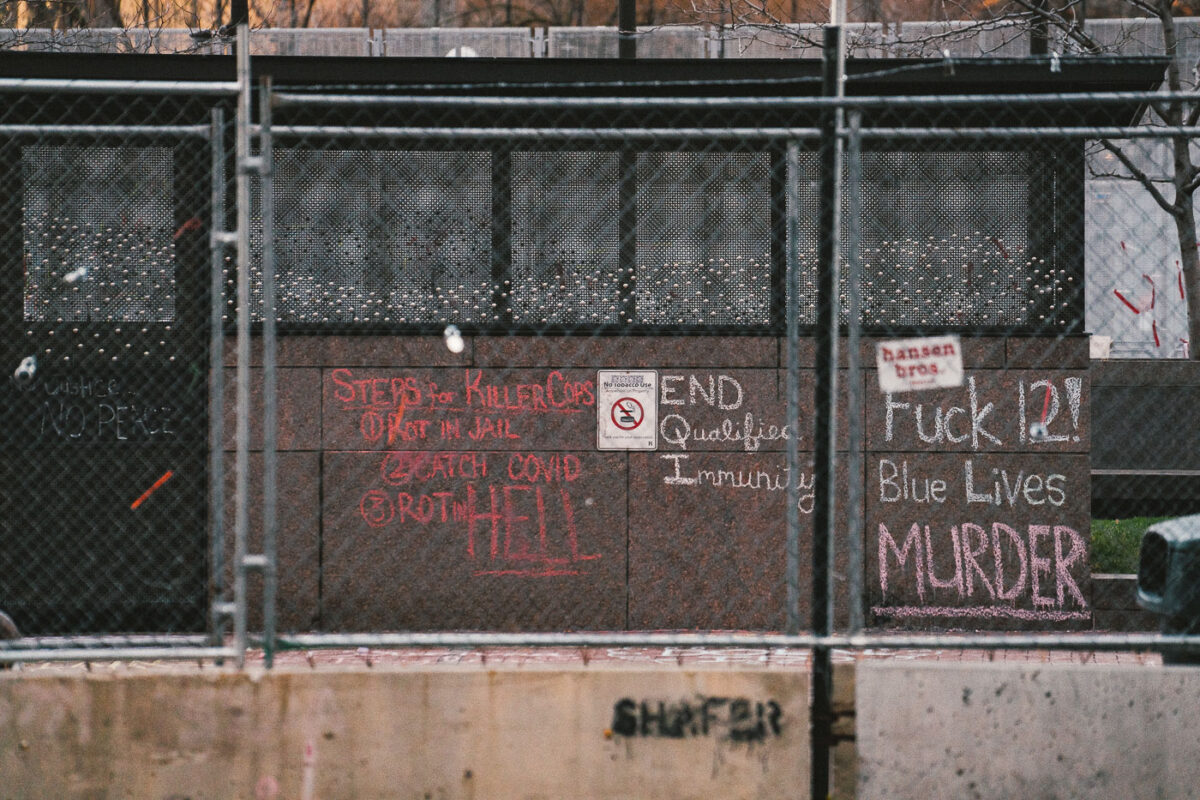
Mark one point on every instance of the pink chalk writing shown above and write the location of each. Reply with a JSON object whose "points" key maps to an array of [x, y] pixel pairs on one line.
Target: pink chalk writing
{"points": [[978, 612], [402, 468], [1045, 556]]}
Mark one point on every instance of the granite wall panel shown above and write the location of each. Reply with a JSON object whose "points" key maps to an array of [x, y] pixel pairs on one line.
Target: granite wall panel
{"points": [[465, 491]]}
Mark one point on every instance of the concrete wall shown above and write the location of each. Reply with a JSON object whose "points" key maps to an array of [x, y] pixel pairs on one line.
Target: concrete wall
{"points": [[432, 734], [922, 730], [422, 489], [1046, 731]]}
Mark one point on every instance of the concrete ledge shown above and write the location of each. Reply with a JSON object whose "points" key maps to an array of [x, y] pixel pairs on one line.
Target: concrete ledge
{"points": [[1004, 731], [429, 733]]}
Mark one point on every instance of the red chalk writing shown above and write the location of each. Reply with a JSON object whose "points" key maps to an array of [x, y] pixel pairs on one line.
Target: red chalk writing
{"points": [[415, 410], [556, 393], [515, 518], [374, 392], [376, 508], [402, 468]]}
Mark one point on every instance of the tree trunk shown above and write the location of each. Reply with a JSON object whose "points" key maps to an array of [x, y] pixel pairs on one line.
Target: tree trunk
{"points": [[1183, 175], [41, 15], [107, 14], [1189, 260]]}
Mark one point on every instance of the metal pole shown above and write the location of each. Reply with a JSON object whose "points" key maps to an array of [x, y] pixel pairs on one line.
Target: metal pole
{"points": [[242, 458], [824, 446], [216, 379], [627, 29], [1039, 31], [854, 386], [270, 402], [792, 293]]}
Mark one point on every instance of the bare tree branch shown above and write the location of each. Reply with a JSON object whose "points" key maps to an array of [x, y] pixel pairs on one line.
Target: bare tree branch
{"points": [[1139, 175]]}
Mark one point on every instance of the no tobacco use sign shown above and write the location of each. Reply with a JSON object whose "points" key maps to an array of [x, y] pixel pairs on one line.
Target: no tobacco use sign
{"points": [[626, 410]]}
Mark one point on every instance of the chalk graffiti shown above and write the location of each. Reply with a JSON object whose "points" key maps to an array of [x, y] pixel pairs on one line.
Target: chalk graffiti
{"points": [[675, 429], [721, 391], [999, 546], [774, 479], [408, 410], [979, 420], [113, 421], [97, 408], [518, 521], [902, 483]]}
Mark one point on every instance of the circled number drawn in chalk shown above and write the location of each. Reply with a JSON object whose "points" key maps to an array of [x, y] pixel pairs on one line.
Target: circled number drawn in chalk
{"points": [[627, 413]]}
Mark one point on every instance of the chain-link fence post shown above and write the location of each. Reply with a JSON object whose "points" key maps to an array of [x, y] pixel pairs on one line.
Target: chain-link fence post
{"points": [[825, 408], [854, 384], [270, 399], [792, 173], [242, 456], [220, 240]]}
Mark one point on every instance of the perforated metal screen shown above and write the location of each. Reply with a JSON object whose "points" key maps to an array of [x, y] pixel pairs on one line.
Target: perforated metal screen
{"points": [[946, 238], [534, 237], [99, 238], [102, 497], [566, 237], [704, 238], [383, 236]]}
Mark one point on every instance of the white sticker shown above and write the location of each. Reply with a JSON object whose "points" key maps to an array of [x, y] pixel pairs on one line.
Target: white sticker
{"points": [[626, 410], [931, 362]]}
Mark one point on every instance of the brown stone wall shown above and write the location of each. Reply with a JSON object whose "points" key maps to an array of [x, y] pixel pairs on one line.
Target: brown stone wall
{"points": [[424, 490]]}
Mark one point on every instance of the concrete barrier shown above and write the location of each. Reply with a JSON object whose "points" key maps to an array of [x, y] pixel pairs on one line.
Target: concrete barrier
{"points": [[1004, 731], [529, 732]]}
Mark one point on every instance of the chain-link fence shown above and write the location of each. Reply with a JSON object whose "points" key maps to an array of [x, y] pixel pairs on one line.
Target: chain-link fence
{"points": [[108, 208], [565, 357]]}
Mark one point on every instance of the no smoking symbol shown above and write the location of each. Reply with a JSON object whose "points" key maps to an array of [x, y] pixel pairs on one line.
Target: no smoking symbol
{"points": [[627, 413]]}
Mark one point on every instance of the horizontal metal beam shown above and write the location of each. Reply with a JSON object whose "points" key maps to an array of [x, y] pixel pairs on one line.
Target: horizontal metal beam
{"points": [[507, 134], [756, 134], [100, 642], [198, 131], [89, 86], [1065, 641], [1056, 100], [1038, 132], [19, 651], [120, 654]]}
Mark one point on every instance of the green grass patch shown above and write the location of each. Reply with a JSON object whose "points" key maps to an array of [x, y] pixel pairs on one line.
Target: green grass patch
{"points": [[1115, 543]]}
